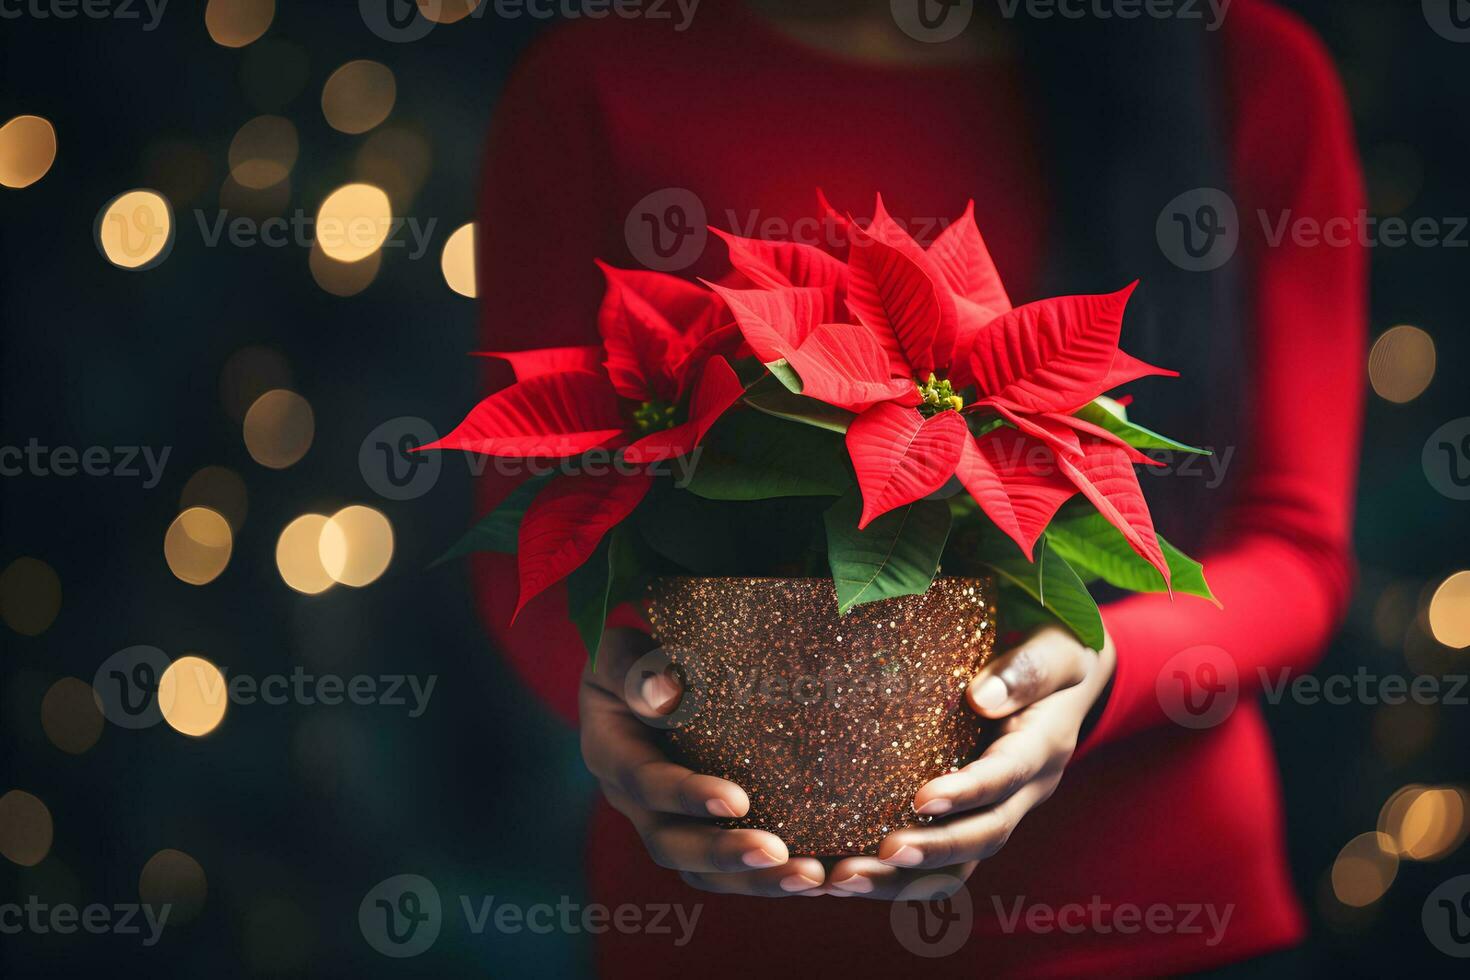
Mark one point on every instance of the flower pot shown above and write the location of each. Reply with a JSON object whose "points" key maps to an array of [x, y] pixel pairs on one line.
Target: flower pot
{"points": [[829, 723]]}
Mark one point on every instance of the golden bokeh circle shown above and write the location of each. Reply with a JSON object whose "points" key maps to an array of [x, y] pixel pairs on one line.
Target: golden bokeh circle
{"points": [[25, 828], [1401, 363], [193, 696], [298, 555], [354, 222], [197, 545], [356, 545], [236, 23], [71, 716], [174, 879], [263, 152], [30, 596], [458, 261], [358, 96], [279, 428], [1364, 869], [1449, 611], [343, 278], [221, 490], [27, 150], [135, 230]]}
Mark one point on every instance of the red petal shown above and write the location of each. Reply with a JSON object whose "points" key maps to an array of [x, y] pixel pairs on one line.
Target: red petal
{"points": [[776, 264], [725, 341], [1016, 482], [684, 304], [892, 296], [1057, 435], [1105, 476], [1128, 368], [551, 415], [1082, 425], [900, 456], [970, 319], [641, 342], [529, 364], [843, 364], [565, 522], [717, 390], [965, 265], [1053, 355], [774, 321]]}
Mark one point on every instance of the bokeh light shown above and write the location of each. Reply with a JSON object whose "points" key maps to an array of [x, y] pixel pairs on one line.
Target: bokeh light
{"points": [[236, 23], [27, 150], [25, 828], [249, 373], [197, 545], [358, 96], [71, 716], [458, 261], [1425, 823], [1449, 611], [353, 222], [298, 555], [263, 152], [447, 11], [221, 490], [193, 696], [343, 278], [135, 230], [30, 596], [279, 428], [174, 879], [356, 545], [1364, 869], [1401, 363], [397, 159]]}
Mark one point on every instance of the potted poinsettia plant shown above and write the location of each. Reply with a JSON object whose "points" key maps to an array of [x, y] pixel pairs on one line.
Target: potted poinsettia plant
{"points": [[777, 466]]}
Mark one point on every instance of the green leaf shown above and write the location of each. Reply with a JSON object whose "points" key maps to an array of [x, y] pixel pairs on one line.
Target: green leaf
{"points": [[771, 397], [1049, 580], [499, 529], [1135, 435], [783, 372], [751, 456], [1092, 544], [614, 574], [895, 555]]}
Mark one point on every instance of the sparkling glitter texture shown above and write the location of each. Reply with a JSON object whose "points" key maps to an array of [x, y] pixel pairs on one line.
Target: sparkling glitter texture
{"points": [[830, 724]]}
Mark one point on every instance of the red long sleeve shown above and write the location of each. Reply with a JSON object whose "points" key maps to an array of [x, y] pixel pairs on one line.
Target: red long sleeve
{"points": [[1280, 563]]}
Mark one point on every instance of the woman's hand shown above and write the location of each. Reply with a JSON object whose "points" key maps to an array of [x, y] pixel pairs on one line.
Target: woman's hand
{"points": [[672, 807], [1043, 688]]}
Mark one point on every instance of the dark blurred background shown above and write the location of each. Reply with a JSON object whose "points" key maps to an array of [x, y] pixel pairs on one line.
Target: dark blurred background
{"points": [[265, 828]]}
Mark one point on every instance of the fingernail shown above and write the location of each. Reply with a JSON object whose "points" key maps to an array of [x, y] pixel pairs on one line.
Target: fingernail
{"points": [[907, 856], [935, 807], [855, 883], [760, 858], [658, 691], [719, 808], [992, 694], [798, 883]]}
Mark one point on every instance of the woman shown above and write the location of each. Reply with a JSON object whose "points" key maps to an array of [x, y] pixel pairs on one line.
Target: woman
{"points": [[1085, 144]]}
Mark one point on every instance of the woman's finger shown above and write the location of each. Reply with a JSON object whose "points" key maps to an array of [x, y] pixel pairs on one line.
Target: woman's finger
{"points": [[683, 844], [801, 876], [1050, 660], [868, 877], [972, 836], [1009, 763]]}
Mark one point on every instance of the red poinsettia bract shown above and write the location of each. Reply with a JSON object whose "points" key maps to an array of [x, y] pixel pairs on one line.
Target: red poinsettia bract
{"points": [[648, 392], [896, 333]]}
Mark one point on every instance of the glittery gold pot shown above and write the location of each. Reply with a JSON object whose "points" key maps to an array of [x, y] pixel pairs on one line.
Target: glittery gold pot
{"points": [[830, 724]]}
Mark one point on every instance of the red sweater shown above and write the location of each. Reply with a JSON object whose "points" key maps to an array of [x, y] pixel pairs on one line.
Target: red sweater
{"points": [[601, 114]]}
